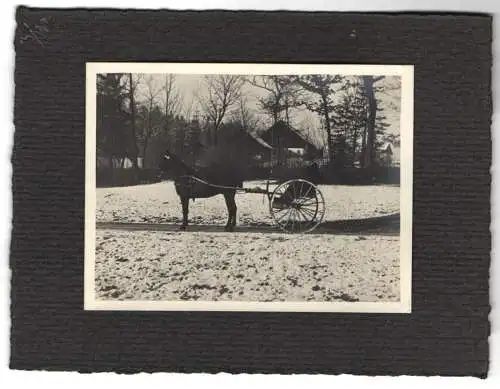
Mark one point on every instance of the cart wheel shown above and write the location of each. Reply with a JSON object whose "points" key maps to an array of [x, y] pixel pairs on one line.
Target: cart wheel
{"points": [[297, 206]]}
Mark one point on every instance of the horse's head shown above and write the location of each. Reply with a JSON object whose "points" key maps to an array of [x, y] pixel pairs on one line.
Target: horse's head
{"points": [[167, 164], [172, 166]]}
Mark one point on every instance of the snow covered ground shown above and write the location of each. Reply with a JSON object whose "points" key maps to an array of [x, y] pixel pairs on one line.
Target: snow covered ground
{"points": [[248, 265], [158, 203], [145, 265]]}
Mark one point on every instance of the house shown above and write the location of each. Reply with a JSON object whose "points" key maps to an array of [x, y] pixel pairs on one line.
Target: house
{"points": [[249, 147], [255, 147], [235, 145], [103, 161], [389, 154], [286, 142]]}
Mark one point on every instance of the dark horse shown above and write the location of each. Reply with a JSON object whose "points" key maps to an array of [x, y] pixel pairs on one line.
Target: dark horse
{"points": [[222, 179]]}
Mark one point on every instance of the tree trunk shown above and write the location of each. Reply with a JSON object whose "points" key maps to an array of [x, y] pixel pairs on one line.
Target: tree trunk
{"points": [[134, 155], [354, 143], [275, 117], [363, 147], [148, 134], [287, 113], [328, 130], [144, 148], [166, 130], [372, 114]]}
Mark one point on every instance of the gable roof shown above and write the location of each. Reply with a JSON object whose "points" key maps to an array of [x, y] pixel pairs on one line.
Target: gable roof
{"points": [[282, 135], [387, 146], [255, 138]]}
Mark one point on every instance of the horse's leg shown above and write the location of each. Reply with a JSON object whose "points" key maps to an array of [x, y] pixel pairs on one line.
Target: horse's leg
{"points": [[185, 211], [231, 209], [234, 208], [229, 213]]}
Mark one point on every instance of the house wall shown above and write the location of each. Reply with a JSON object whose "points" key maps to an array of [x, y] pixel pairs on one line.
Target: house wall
{"points": [[103, 162]]}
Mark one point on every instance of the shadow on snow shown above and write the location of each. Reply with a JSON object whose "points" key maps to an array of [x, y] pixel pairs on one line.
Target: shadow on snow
{"points": [[379, 225]]}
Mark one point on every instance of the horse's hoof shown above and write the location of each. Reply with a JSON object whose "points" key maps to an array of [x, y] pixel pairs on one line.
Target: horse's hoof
{"points": [[229, 228]]}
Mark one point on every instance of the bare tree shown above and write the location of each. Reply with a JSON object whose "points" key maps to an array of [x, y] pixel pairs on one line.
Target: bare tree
{"points": [[322, 89], [151, 94], [189, 108], [368, 84], [133, 152], [283, 95], [172, 99], [246, 116], [306, 127], [222, 93]]}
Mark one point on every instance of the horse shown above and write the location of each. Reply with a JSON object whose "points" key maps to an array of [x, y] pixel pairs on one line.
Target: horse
{"points": [[217, 179]]}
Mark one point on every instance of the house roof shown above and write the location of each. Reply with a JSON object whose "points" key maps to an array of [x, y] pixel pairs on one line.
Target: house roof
{"points": [[283, 135], [395, 150], [248, 140], [387, 146], [259, 140]]}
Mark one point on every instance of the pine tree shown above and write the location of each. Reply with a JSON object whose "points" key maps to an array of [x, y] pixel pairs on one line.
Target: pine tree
{"points": [[111, 117], [322, 89], [351, 118]]}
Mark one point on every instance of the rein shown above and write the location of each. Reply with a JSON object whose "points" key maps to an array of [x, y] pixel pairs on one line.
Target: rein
{"points": [[193, 173], [214, 185]]}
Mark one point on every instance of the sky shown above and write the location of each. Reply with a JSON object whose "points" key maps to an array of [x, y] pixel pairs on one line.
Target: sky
{"points": [[189, 86]]}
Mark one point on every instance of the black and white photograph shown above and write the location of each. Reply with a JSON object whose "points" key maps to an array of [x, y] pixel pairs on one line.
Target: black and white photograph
{"points": [[248, 187]]}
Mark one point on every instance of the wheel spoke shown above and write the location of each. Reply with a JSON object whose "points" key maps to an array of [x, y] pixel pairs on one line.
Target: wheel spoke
{"points": [[298, 208], [280, 209], [288, 194], [286, 223], [303, 215], [290, 218], [299, 220], [311, 202], [307, 222], [309, 212], [305, 201], [282, 216], [310, 209], [308, 190]]}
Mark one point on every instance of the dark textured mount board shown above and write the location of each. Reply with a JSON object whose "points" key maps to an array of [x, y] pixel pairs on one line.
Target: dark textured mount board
{"points": [[447, 332]]}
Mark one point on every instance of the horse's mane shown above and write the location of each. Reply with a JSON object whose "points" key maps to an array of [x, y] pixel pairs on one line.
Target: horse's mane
{"points": [[180, 163]]}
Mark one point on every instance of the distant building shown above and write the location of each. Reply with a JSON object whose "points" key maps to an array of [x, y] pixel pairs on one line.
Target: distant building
{"points": [[287, 142], [258, 149], [252, 148], [234, 146], [118, 163], [389, 154]]}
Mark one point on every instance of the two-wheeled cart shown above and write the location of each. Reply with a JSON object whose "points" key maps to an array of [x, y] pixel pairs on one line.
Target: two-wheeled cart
{"points": [[296, 205]]}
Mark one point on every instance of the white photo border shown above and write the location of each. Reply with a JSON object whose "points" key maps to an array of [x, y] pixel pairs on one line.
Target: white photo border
{"points": [[406, 72]]}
